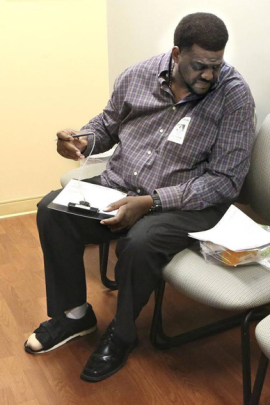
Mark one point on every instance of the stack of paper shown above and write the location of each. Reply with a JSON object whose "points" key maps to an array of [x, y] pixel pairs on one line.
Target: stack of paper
{"points": [[235, 231]]}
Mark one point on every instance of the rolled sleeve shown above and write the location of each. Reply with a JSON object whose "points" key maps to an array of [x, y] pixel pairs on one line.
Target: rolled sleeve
{"points": [[106, 125]]}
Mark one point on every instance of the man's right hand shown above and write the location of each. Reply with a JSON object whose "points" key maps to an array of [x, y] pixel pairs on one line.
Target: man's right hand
{"points": [[69, 147]]}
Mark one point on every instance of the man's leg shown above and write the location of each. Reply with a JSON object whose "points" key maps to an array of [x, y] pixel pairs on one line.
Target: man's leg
{"points": [[149, 245], [63, 238]]}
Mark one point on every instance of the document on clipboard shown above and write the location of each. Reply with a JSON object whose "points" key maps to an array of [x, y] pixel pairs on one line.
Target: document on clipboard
{"points": [[86, 200]]}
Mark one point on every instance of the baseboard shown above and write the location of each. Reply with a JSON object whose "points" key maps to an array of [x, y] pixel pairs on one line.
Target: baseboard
{"points": [[18, 207]]}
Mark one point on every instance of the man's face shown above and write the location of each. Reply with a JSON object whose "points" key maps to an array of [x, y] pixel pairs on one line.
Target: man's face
{"points": [[197, 69]]}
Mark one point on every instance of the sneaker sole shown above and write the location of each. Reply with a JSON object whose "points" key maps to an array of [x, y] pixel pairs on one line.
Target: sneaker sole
{"points": [[83, 333]]}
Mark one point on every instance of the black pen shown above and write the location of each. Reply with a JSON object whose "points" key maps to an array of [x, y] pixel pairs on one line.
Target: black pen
{"points": [[77, 135]]}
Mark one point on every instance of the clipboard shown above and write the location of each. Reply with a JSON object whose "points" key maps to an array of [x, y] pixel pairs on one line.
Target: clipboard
{"points": [[93, 215], [86, 200]]}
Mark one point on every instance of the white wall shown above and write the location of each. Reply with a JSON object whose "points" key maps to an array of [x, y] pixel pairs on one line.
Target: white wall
{"points": [[53, 75], [140, 29]]}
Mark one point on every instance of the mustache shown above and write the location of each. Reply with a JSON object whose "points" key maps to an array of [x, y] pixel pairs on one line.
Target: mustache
{"points": [[206, 81]]}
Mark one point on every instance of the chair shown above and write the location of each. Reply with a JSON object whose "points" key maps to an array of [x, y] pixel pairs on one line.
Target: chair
{"points": [[262, 333], [241, 289], [95, 165]]}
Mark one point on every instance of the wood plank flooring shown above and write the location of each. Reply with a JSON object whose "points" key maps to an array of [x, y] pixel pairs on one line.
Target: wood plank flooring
{"points": [[207, 372]]}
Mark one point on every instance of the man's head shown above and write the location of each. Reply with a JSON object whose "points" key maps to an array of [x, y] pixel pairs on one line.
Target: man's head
{"points": [[203, 29], [199, 42]]}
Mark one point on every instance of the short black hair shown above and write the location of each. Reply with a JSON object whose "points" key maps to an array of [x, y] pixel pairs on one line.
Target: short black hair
{"points": [[203, 29]]}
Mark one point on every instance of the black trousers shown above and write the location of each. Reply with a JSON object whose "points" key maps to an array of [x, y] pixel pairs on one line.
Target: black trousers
{"points": [[142, 253]]}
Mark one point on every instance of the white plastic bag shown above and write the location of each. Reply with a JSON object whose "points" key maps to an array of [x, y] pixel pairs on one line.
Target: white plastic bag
{"points": [[219, 254]]}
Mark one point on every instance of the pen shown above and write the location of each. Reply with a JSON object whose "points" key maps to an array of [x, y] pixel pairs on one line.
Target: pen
{"points": [[77, 135]]}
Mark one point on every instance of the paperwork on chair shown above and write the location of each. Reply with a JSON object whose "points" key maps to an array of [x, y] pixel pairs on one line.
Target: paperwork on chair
{"points": [[235, 231], [86, 199]]}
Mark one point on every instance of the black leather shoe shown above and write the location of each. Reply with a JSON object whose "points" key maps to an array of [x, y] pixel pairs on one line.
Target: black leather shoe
{"points": [[110, 355]]}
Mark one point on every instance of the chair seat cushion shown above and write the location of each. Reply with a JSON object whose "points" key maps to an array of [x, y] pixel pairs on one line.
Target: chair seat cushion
{"points": [[230, 288], [263, 335]]}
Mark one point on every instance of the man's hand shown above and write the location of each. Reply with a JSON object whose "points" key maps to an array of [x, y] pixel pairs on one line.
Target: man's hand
{"points": [[130, 210], [68, 147]]}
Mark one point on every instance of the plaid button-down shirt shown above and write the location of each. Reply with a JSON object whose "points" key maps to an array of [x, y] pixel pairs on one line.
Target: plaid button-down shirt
{"points": [[208, 168]]}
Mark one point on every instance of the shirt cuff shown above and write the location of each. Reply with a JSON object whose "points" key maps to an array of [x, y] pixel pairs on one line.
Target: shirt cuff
{"points": [[89, 146], [170, 198]]}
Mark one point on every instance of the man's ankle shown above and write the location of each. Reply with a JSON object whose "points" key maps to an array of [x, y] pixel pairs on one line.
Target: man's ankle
{"points": [[77, 312]]}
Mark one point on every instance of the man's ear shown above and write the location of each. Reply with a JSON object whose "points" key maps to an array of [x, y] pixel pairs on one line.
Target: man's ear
{"points": [[176, 54]]}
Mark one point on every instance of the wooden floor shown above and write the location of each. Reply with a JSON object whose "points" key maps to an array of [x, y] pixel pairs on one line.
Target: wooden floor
{"points": [[207, 372]]}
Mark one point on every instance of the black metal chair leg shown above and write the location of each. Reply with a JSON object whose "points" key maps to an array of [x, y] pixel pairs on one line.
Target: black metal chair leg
{"points": [[162, 341], [156, 328], [259, 380], [246, 370], [103, 263], [252, 315]]}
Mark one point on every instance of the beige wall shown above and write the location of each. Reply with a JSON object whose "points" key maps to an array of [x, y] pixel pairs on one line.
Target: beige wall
{"points": [[140, 29], [53, 75]]}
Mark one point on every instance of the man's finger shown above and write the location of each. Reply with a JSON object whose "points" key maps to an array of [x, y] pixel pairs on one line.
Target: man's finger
{"points": [[68, 150], [65, 135], [82, 140], [114, 220], [68, 155], [117, 229], [69, 147], [110, 222], [115, 205]]}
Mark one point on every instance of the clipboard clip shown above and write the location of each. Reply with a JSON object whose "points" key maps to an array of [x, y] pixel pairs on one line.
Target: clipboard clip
{"points": [[83, 206]]}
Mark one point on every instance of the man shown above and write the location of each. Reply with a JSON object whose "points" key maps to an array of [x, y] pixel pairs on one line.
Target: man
{"points": [[184, 126]]}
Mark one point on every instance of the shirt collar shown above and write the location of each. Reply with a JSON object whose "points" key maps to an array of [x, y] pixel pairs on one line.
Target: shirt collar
{"points": [[220, 77], [164, 67]]}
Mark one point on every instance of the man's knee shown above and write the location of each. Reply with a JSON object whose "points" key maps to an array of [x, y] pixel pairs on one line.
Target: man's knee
{"points": [[43, 210], [47, 199], [132, 245], [141, 243], [156, 239]]}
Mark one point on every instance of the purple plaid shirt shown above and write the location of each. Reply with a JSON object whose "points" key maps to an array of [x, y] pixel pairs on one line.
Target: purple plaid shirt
{"points": [[207, 169]]}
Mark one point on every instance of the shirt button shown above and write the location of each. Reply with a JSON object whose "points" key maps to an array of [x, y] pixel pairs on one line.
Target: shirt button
{"points": [[138, 191], [161, 130], [149, 152], [135, 173], [174, 108]]}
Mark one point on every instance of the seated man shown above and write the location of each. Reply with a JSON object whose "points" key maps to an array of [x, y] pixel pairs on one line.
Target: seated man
{"points": [[183, 121]]}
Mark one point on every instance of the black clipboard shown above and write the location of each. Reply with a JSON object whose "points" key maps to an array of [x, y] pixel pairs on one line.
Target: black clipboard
{"points": [[84, 213], [81, 198]]}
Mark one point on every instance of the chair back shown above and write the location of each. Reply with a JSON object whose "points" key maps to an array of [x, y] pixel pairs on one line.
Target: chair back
{"points": [[257, 183]]}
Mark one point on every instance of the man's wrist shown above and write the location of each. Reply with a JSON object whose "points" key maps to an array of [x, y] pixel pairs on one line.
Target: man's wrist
{"points": [[157, 205]]}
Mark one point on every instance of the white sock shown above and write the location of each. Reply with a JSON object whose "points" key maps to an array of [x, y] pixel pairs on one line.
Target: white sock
{"points": [[77, 312]]}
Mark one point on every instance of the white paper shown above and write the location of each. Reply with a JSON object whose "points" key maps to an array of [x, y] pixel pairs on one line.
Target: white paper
{"points": [[235, 231], [179, 131], [98, 196]]}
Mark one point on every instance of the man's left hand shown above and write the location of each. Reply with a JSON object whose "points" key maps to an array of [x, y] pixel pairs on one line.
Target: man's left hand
{"points": [[130, 210]]}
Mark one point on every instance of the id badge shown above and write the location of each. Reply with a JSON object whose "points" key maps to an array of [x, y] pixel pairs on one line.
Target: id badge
{"points": [[179, 131]]}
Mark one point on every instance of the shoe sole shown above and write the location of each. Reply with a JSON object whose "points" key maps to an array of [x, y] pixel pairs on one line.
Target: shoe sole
{"points": [[83, 333], [86, 378]]}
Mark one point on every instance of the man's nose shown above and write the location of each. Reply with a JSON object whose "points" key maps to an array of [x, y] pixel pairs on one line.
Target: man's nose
{"points": [[207, 74]]}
